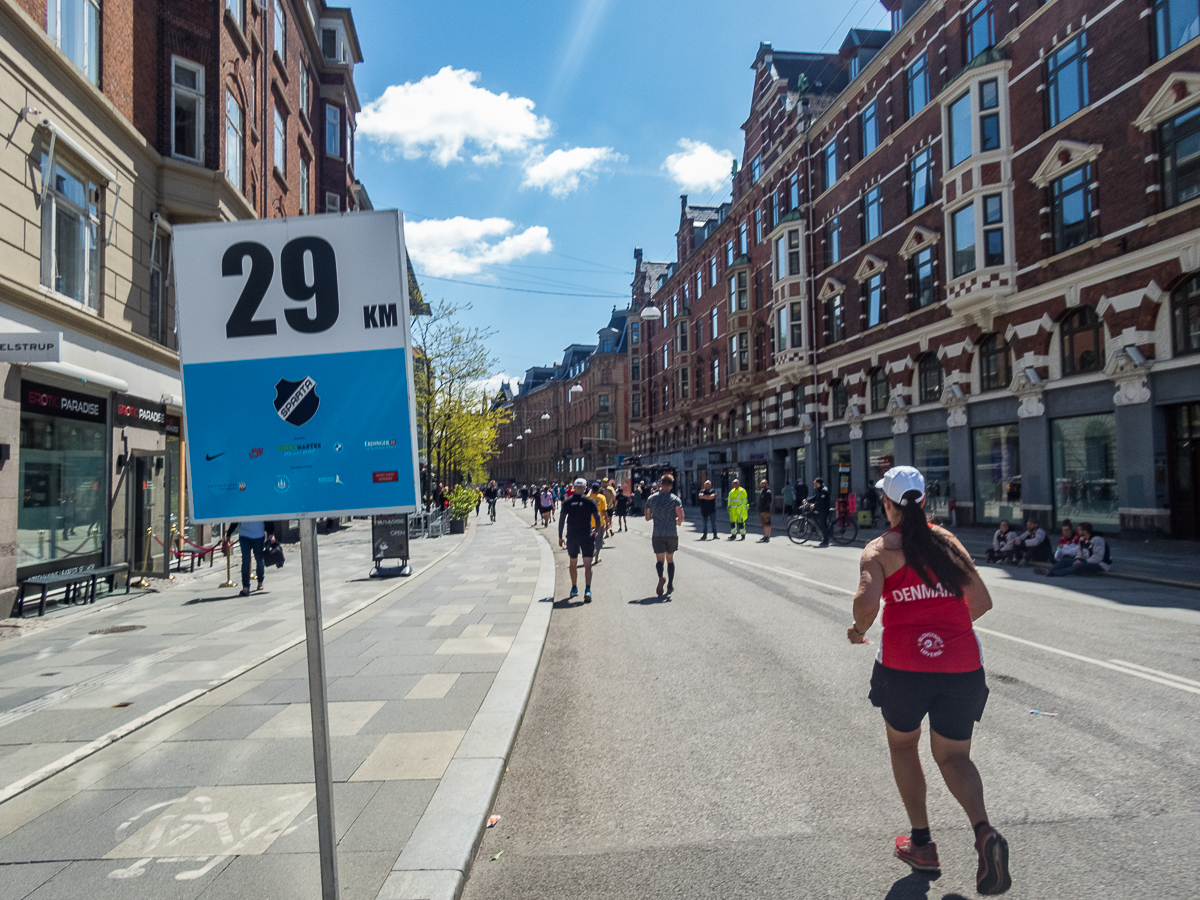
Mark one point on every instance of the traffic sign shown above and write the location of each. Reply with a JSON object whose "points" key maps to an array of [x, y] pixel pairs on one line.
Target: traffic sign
{"points": [[297, 367]]}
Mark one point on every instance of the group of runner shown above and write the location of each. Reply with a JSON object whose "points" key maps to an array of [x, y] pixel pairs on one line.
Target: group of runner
{"points": [[929, 660]]}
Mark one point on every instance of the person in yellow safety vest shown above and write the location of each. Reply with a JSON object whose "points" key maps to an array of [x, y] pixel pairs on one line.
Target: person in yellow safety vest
{"points": [[739, 510]]}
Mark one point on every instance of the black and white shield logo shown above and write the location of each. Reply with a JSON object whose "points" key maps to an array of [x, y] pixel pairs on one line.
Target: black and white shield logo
{"points": [[296, 401]]}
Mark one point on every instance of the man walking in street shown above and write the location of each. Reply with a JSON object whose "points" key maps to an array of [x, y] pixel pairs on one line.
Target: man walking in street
{"points": [[708, 510], [820, 501], [667, 512], [610, 505], [764, 510], [582, 521], [739, 510], [251, 537]]}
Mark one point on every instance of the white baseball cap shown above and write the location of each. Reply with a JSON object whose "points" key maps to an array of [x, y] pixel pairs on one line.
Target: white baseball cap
{"points": [[899, 480], [581, 482]]}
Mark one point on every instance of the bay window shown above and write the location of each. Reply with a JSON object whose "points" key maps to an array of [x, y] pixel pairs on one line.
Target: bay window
{"points": [[962, 236]]}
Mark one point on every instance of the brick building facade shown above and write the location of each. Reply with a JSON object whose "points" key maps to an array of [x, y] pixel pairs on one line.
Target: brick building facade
{"points": [[124, 119], [969, 244]]}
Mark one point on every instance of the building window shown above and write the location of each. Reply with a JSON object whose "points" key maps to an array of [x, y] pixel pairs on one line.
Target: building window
{"points": [[869, 122], [835, 320], [1066, 78], [187, 110], [747, 418], [305, 188], [794, 192], [1083, 451], [304, 97], [743, 246], [995, 363], [666, 358], [872, 213], [681, 337], [739, 352], [280, 142], [958, 120], [917, 83], [873, 300], [980, 28], [1175, 23], [699, 284], [787, 254], [993, 230], [333, 202], [712, 272], [683, 383], [714, 369], [997, 452], [797, 326], [280, 30], [74, 25], [237, 12], [234, 143], [829, 163], [929, 379], [922, 276], [880, 390], [989, 122], [71, 235], [333, 130], [840, 399], [1082, 342], [635, 369], [920, 180], [602, 403], [1185, 316], [781, 329], [962, 226], [329, 44], [737, 292], [1180, 142], [755, 169], [833, 242], [635, 406], [1071, 209], [729, 253], [604, 431], [758, 232], [714, 319]]}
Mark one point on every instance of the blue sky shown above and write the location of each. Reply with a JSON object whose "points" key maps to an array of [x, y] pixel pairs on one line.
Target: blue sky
{"points": [[533, 145]]}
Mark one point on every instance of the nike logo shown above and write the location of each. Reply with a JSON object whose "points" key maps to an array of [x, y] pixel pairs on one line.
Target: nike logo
{"points": [[211, 458]]}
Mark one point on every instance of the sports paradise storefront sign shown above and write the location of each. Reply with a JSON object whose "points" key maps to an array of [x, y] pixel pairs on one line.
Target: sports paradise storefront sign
{"points": [[297, 367], [53, 401]]}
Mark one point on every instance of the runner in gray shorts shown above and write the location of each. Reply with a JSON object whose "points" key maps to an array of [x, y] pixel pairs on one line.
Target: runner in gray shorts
{"points": [[666, 510]]}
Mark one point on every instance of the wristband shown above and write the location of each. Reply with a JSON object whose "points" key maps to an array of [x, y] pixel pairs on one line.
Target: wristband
{"points": [[854, 625]]}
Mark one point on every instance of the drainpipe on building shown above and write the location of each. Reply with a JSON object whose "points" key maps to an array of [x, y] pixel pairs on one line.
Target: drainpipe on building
{"points": [[812, 297]]}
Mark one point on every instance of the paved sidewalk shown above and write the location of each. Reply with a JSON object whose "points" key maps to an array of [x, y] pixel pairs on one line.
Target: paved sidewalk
{"points": [[428, 677]]}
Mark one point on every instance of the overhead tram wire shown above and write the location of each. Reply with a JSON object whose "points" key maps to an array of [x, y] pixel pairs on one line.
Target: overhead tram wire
{"points": [[500, 287]]}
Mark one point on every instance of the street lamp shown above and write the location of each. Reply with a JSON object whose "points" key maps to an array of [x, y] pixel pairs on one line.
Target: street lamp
{"points": [[520, 437], [510, 443], [650, 313], [576, 389], [545, 417], [529, 431]]}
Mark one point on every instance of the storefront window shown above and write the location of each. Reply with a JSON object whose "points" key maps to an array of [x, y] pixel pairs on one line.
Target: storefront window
{"points": [[881, 456], [1084, 451], [62, 481], [997, 474], [839, 470], [931, 455]]}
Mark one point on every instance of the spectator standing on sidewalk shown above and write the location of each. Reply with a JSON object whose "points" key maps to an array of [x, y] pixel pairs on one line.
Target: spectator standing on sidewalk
{"points": [[739, 510], [765, 501], [1032, 546], [1093, 555], [708, 510], [821, 504], [610, 500], [251, 537], [667, 512]]}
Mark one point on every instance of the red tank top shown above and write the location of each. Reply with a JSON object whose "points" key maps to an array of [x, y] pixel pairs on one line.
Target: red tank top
{"points": [[926, 629]]}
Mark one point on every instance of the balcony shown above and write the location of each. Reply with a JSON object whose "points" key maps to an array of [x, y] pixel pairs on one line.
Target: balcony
{"points": [[792, 364]]}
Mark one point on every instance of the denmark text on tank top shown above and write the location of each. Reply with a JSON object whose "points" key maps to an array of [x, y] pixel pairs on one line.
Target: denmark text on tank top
{"points": [[926, 629]]}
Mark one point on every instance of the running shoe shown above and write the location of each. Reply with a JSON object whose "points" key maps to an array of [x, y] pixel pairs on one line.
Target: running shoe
{"points": [[992, 875], [661, 582], [587, 595], [924, 858], [574, 591]]}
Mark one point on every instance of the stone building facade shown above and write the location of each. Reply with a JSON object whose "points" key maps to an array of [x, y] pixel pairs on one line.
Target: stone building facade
{"points": [[970, 244], [122, 120]]}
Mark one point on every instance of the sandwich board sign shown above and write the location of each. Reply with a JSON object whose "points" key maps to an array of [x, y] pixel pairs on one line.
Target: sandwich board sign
{"points": [[297, 367], [298, 397]]}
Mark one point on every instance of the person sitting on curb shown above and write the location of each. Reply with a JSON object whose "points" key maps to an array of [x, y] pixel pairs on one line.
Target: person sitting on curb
{"points": [[1068, 543], [1093, 555], [1004, 544], [1032, 546]]}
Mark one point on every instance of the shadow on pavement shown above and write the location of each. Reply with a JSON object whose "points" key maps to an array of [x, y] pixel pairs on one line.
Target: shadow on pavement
{"points": [[915, 886], [566, 603], [196, 600], [650, 601]]}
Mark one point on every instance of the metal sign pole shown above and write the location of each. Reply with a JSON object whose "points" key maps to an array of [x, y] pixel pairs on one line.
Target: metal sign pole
{"points": [[319, 706]]}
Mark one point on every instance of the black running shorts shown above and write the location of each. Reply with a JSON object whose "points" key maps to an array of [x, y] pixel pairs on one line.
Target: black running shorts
{"points": [[953, 701], [579, 542], [667, 544]]}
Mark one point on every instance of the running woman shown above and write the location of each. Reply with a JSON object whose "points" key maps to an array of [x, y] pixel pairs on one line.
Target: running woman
{"points": [[524, 496], [583, 522], [929, 663], [610, 505], [667, 512], [547, 505], [623, 502]]}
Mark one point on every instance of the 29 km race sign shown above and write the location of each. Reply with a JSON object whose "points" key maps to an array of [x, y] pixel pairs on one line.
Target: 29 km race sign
{"points": [[297, 367]]}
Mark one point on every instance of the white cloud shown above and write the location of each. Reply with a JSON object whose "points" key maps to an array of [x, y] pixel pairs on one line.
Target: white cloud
{"points": [[438, 115], [698, 167], [562, 170], [491, 386], [462, 246]]}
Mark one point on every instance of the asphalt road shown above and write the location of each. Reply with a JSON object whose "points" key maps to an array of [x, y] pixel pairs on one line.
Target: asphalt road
{"points": [[721, 744]]}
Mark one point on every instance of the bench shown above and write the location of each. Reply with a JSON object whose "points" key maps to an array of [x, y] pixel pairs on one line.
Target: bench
{"points": [[80, 587]]}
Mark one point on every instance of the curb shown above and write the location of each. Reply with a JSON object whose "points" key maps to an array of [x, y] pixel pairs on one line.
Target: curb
{"points": [[436, 861]]}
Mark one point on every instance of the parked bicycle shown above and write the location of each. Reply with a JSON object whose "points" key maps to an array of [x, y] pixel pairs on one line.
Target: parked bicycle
{"points": [[806, 526]]}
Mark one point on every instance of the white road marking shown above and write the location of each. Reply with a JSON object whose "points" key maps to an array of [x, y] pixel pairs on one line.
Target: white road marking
{"points": [[1176, 681]]}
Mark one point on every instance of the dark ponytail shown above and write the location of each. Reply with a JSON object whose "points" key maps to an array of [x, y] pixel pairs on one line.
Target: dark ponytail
{"points": [[926, 552]]}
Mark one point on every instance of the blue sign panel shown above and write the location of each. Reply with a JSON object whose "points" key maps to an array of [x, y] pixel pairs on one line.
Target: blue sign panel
{"points": [[297, 369]]}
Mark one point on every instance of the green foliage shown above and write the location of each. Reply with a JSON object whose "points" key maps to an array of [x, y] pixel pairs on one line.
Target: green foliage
{"points": [[462, 501]]}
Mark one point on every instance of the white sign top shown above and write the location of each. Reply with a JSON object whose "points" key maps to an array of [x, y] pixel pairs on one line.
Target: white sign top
{"points": [[31, 346]]}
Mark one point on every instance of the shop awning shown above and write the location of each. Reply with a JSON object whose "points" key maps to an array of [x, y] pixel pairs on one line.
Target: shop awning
{"points": [[80, 374]]}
